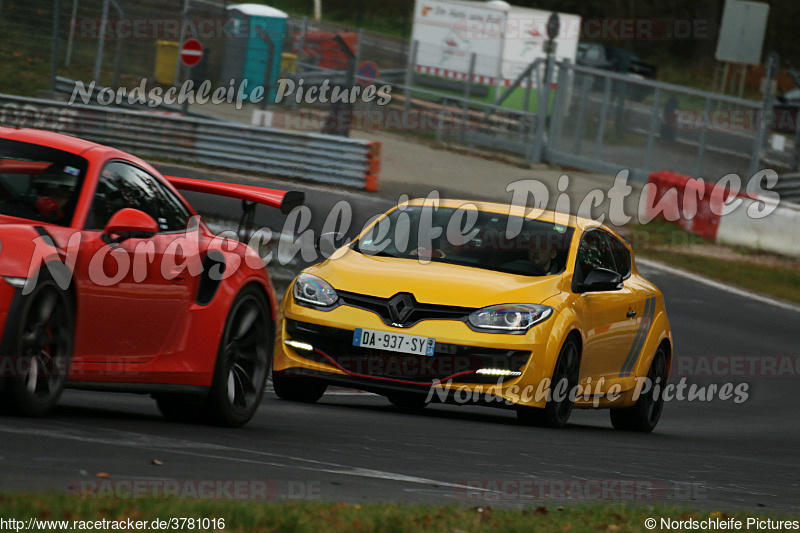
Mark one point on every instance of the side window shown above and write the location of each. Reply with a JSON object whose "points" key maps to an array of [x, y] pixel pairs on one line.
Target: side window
{"points": [[622, 257], [593, 252], [122, 185], [171, 209]]}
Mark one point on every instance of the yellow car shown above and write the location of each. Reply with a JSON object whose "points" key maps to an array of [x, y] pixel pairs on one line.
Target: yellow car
{"points": [[480, 303]]}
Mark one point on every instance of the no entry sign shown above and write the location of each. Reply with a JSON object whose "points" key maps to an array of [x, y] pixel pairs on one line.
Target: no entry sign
{"points": [[191, 52]]}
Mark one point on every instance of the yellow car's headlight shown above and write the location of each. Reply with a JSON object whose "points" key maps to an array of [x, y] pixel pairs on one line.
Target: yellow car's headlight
{"points": [[509, 318], [313, 291]]}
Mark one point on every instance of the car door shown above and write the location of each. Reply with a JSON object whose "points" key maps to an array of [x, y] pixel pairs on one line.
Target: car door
{"points": [[609, 317], [641, 305], [128, 309]]}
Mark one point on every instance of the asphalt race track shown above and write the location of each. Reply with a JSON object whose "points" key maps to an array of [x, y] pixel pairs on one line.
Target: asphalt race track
{"points": [[357, 448]]}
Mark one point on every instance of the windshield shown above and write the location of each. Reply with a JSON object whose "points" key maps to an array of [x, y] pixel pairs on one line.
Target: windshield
{"points": [[489, 241], [39, 183]]}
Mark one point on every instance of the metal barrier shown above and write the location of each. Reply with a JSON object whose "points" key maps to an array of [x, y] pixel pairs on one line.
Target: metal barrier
{"points": [[316, 157], [789, 187]]}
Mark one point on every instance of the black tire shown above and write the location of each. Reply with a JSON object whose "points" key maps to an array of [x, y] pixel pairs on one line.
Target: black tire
{"points": [[559, 404], [298, 389], [243, 360], [42, 350], [645, 413], [408, 401]]}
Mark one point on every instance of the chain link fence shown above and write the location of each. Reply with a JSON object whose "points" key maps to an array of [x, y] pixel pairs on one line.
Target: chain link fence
{"points": [[118, 43], [582, 117]]}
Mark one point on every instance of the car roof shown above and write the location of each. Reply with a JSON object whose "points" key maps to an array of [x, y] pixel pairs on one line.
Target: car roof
{"points": [[58, 141], [545, 215]]}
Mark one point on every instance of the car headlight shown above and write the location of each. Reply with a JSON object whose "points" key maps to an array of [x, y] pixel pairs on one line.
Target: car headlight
{"points": [[314, 291], [509, 318]]}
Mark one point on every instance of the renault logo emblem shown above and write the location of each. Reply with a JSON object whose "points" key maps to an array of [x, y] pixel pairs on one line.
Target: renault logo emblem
{"points": [[400, 307]]}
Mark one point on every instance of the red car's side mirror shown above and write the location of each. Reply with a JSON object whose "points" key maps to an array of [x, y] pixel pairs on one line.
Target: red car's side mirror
{"points": [[131, 223]]}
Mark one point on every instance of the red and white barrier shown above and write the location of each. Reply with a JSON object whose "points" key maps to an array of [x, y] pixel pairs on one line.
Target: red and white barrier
{"points": [[778, 232], [699, 207]]}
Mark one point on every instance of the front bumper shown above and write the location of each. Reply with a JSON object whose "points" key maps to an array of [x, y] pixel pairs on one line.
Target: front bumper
{"points": [[459, 353]]}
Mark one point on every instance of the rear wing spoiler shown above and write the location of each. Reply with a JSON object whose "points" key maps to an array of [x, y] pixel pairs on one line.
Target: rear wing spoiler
{"points": [[283, 200]]}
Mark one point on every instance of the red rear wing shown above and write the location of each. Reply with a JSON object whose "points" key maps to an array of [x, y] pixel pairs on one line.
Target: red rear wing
{"points": [[283, 200]]}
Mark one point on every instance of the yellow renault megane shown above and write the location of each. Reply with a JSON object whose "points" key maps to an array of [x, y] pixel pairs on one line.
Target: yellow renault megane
{"points": [[480, 303]]}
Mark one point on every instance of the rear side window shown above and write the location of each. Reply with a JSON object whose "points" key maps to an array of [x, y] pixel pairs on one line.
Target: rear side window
{"points": [[622, 257], [39, 183], [123, 185]]}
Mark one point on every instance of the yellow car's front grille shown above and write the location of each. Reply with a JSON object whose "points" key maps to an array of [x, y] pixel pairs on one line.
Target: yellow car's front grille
{"points": [[336, 347]]}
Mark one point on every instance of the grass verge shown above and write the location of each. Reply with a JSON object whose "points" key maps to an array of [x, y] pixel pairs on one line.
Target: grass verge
{"points": [[764, 273], [320, 517]]}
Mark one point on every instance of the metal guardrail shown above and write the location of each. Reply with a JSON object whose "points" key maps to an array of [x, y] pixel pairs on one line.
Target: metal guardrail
{"points": [[788, 187], [311, 156]]}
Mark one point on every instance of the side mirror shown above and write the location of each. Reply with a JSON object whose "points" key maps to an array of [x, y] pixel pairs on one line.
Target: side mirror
{"points": [[601, 279], [130, 223]]}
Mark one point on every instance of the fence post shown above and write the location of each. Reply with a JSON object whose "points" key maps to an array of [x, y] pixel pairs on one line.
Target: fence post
{"points": [[409, 80], [301, 45], [701, 145], [467, 92], [184, 15], [98, 59], [601, 129], [651, 134], [117, 61], [525, 128], [440, 125], [561, 99], [270, 67], [766, 107], [579, 126], [54, 53], [71, 32], [543, 100], [358, 46]]}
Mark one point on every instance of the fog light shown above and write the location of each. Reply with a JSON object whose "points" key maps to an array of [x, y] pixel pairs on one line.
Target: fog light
{"points": [[297, 345], [497, 372]]}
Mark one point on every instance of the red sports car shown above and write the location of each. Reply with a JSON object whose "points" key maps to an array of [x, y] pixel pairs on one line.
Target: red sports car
{"points": [[110, 281]]}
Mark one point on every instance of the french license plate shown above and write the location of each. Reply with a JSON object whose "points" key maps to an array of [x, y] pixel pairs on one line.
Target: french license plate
{"points": [[393, 342]]}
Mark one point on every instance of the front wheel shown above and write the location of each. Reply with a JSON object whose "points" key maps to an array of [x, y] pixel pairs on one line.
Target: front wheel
{"points": [[243, 358], [561, 397], [43, 350], [645, 413]]}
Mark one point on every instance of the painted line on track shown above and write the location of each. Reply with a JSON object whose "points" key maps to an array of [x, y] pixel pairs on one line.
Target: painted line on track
{"points": [[207, 451]]}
